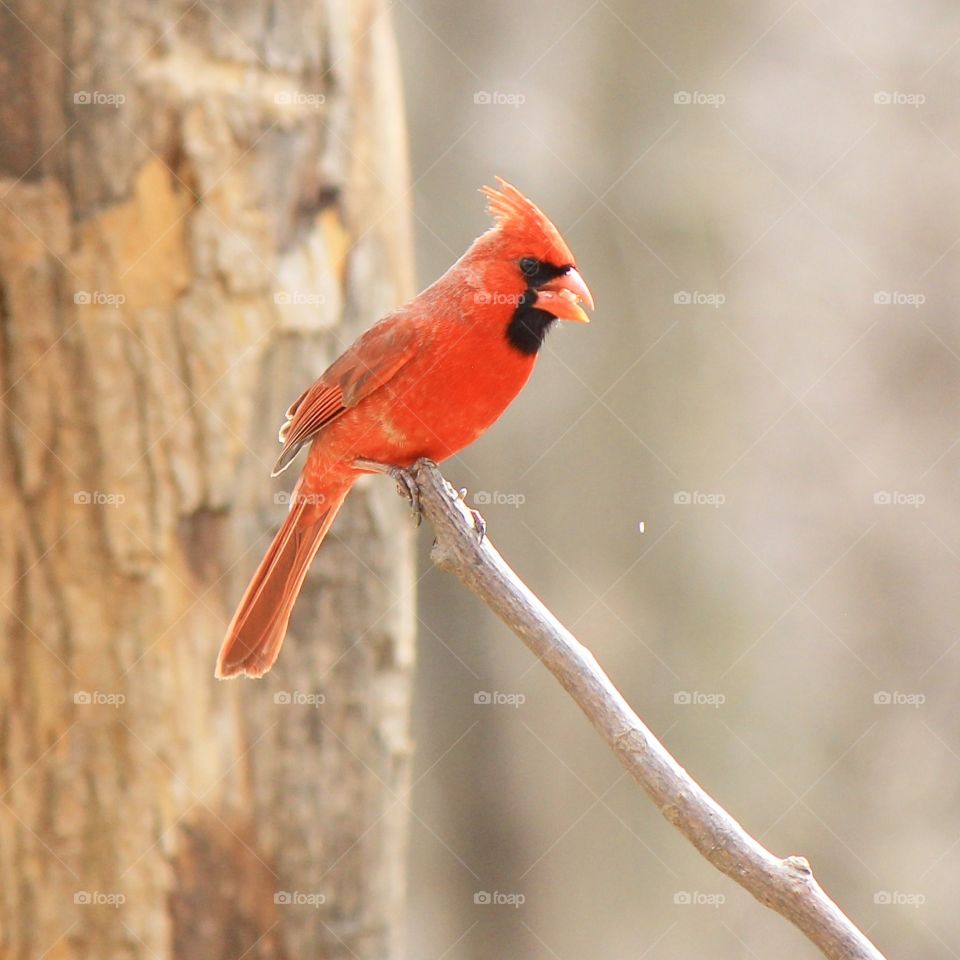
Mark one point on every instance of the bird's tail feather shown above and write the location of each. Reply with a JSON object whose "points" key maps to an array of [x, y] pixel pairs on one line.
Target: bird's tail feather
{"points": [[256, 633]]}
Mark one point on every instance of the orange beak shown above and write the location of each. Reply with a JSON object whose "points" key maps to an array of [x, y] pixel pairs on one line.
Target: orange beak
{"points": [[562, 297]]}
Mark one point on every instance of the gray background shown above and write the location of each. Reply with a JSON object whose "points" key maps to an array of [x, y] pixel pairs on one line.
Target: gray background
{"points": [[825, 181]]}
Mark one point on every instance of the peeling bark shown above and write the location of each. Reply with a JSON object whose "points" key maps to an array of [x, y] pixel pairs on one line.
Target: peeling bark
{"points": [[198, 206]]}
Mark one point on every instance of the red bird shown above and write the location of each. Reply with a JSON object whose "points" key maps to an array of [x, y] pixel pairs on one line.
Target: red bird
{"points": [[426, 381]]}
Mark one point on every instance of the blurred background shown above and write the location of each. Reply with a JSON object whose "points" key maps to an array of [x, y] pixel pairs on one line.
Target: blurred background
{"points": [[737, 486]]}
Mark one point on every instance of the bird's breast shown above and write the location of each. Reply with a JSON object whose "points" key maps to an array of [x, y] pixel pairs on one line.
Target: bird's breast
{"points": [[444, 399]]}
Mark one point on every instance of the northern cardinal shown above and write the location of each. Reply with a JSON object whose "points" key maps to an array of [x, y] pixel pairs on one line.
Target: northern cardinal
{"points": [[425, 381]]}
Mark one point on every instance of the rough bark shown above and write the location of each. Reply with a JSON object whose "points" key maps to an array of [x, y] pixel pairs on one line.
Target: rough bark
{"points": [[199, 204]]}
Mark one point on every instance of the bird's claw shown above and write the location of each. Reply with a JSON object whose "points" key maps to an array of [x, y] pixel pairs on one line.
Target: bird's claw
{"points": [[479, 524], [407, 485]]}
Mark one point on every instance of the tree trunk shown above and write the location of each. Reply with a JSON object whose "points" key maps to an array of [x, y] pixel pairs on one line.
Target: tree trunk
{"points": [[200, 205]]}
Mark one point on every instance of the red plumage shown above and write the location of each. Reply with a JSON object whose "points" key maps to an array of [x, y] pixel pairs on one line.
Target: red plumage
{"points": [[425, 381]]}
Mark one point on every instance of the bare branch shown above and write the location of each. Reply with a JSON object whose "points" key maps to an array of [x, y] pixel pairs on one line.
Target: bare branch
{"points": [[785, 885]]}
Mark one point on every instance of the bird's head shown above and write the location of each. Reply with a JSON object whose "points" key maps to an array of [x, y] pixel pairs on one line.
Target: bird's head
{"points": [[528, 266]]}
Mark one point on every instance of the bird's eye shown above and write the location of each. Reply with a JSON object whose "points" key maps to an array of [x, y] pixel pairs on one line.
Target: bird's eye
{"points": [[529, 266]]}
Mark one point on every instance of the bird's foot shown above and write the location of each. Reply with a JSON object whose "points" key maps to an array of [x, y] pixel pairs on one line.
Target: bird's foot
{"points": [[406, 482], [479, 524]]}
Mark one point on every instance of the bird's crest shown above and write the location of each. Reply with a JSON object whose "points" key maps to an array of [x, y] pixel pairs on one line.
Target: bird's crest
{"points": [[520, 218]]}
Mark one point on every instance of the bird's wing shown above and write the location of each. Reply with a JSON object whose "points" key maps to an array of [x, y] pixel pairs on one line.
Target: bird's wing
{"points": [[367, 365]]}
